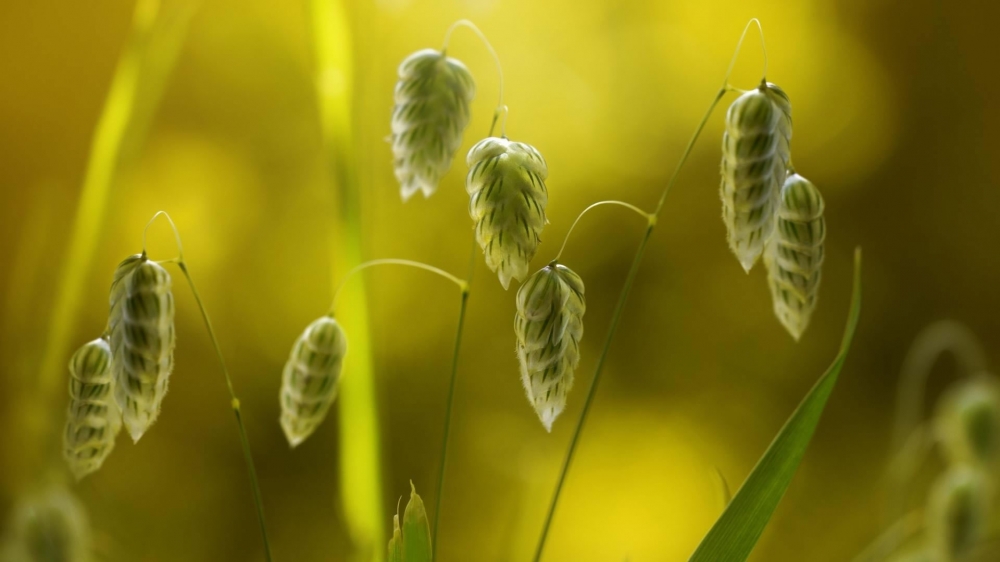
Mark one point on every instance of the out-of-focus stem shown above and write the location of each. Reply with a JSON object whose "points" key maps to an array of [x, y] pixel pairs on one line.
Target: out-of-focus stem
{"points": [[146, 61], [360, 456]]}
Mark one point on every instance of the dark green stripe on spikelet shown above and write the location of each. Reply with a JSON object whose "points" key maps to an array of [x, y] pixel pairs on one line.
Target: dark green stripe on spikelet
{"points": [[141, 324], [755, 153], [548, 326], [967, 422], [92, 418], [431, 112], [310, 378], [507, 199], [958, 512], [794, 256]]}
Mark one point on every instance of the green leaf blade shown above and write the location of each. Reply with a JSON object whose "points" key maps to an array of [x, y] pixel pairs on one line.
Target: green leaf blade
{"points": [[735, 533], [416, 530]]}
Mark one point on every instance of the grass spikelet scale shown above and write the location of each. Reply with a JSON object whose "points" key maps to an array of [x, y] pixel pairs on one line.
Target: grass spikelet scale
{"points": [[309, 380], [92, 419], [549, 325], [958, 512], [755, 154], [430, 114], [142, 340], [506, 186], [794, 256], [968, 422]]}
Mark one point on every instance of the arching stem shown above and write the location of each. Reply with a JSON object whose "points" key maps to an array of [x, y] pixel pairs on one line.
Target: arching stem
{"points": [[234, 401]]}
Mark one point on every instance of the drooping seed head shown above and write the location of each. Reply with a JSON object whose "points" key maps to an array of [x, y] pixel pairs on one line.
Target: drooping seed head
{"points": [[142, 340], [968, 422], [549, 325], [48, 526], [755, 153], [431, 112], [506, 186], [958, 512], [92, 419], [794, 256], [309, 381]]}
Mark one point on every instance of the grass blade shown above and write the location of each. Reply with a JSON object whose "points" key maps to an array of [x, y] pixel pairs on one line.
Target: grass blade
{"points": [[735, 533]]}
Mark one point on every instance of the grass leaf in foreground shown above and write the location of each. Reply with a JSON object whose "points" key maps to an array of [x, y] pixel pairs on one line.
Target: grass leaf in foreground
{"points": [[735, 533]]}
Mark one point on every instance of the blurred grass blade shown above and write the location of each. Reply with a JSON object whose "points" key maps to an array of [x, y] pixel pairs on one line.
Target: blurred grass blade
{"points": [[396, 542], [416, 530], [735, 533], [147, 59], [360, 462]]}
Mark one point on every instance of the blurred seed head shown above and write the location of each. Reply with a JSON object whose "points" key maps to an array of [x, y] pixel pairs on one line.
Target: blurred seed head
{"points": [[794, 255], [958, 512], [142, 340], [92, 419], [47, 526], [431, 112], [755, 154], [968, 422], [506, 186], [549, 325], [309, 381]]}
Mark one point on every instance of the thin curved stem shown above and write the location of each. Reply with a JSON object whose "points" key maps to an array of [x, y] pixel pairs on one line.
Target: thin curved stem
{"points": [[639, 211], [890, 540], [739, 45], [234, 401], [451, 396], [493, 53], [462, 285], [620, 306]]}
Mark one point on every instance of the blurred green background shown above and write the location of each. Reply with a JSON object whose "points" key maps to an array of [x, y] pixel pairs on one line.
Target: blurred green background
{"points": [[892, 121]]}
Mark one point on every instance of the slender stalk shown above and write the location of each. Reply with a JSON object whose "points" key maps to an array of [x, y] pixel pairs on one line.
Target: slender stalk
{"points": [[451, 399], [572, 227], [234, 401], [623, 296], [394, 261]]}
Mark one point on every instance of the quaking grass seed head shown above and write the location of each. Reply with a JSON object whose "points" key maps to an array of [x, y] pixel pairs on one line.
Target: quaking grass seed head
{"points": [[548, 325], [968, 422], [142, 340], [958, 512], [755, 154], [47, 526], [794, 255], [430, 114], [506, 186], [92, 419], [310, 378]]}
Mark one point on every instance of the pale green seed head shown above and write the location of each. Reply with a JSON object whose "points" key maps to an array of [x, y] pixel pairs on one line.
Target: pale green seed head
{"points": [[431, 112], [48, 526], [958, 512], [506, 186], [310, 379], [548, 325], [92, 418], [794, 254], [142, 340], [968, 422], [755, 154]]}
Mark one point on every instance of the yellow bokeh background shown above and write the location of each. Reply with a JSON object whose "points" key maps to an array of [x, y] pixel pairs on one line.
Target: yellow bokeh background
{"points": [[893, 122]]}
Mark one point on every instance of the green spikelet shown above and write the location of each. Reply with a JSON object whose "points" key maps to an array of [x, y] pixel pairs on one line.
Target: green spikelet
{"points": [[794, 257], [50, 526], [431, 112], [549, 325], [412, 543], [309, 381], [968, 422], [506, 185], [958, 512], [755, 152], [142, 340], [92, 419]]}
